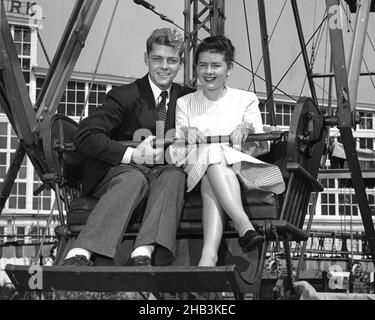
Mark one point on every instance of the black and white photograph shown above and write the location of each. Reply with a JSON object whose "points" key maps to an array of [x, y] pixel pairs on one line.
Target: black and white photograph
{"points": [[187, 156]]}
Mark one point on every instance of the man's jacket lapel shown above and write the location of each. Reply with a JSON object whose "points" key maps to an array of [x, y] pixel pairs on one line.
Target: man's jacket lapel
{"points": [[145, 109]]}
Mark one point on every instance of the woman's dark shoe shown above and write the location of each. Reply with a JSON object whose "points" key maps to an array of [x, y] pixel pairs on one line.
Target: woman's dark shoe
{"points": [[250, 240]]}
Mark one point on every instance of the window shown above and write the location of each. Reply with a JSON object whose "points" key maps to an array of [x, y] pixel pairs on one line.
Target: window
{"points": [[97, 96], [348, 205], [22, 41], [328, 204], [264, 112], [36, 230], [42, 201], [73, 100], [43, 230], [366, 143], [8, 144], [328, 183], [39, 85], [371, 202], [284, 113], [17, 197], [20, 237], [344, 183], [367, 164], [366, 120], [328, 111], [20, 232], [3, 147], [2, 235]]}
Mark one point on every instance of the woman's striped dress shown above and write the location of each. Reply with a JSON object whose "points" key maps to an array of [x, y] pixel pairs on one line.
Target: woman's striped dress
{"points": [[214, 118]]}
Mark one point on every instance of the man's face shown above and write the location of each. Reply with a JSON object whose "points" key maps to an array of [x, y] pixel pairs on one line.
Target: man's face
{"points": [[163, 63]]}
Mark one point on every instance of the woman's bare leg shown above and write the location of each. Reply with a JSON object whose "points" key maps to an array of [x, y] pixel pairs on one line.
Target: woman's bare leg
{"points": [[213, 219], [226, 187]]}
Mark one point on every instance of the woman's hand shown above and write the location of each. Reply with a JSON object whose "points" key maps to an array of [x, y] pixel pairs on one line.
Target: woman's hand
{"points": [[268, 129], [240, 135], [193, 135]]}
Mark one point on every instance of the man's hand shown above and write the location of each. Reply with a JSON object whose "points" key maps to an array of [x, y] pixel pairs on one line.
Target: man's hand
{"points": [[146, 154], [194, 135]]}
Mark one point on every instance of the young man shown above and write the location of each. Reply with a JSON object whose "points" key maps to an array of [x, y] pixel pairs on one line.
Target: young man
{"points": [[122, 177]]}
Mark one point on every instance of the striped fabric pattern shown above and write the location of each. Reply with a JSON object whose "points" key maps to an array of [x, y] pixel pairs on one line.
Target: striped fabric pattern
{"points": [[238, 108]]}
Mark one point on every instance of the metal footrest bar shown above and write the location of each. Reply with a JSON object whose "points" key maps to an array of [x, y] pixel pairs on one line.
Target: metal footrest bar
{"points": [[127, 279]]}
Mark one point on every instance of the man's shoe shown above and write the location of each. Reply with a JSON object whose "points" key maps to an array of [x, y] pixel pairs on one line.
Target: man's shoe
{"points": [[77, 261], [250, 240], [138, 261]]}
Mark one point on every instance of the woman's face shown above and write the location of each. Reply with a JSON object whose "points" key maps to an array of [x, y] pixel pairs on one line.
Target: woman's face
{"points": [[212, 70]]}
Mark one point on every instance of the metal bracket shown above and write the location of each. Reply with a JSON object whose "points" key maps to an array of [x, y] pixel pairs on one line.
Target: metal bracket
{"points": [[79, 35]]}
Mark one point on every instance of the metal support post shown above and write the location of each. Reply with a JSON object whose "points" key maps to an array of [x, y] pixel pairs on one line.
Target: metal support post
{"points": [[356, 51], [304, 51], [17, 95], [200, 15], [344, 118], [67, 55], [266, 62], [188, 43]]}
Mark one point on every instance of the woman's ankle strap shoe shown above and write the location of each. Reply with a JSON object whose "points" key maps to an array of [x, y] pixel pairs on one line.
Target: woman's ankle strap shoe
{"points": [[250, 240]]}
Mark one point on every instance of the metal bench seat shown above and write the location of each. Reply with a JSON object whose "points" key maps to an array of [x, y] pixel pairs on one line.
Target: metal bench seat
{"points": [[258, 204]]}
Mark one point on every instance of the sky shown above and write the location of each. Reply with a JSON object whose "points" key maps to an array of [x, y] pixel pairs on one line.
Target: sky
{"points": [[132, 24]]}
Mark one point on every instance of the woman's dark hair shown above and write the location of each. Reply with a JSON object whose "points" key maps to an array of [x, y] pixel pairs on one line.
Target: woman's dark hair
{"points": [[216, 44]]}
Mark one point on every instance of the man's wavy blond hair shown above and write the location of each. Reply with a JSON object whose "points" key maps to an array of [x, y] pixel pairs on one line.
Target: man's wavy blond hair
{"points": [[168, 37]]}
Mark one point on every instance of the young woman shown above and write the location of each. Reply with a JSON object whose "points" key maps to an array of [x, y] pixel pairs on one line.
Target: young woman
{"points": [[218, 110]]}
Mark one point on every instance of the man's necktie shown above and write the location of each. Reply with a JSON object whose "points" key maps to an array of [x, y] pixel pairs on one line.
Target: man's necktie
{"points": [[161, 115]]}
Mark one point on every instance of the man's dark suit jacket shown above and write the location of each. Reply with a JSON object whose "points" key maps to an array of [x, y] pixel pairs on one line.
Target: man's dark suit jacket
{"points": [[127, 108]]}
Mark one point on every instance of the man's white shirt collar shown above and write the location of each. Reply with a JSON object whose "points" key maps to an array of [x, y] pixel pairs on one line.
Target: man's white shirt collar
{"points": [[157, 91]]}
